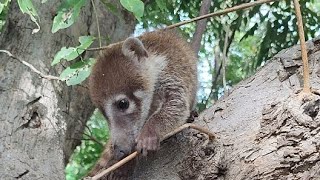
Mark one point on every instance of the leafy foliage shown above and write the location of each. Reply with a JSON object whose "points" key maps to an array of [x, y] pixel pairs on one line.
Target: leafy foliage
{"points": [[85, 155], [3, 12], [67, 14], [73, 52], [134, 6], [79, 71], [26, 6]]}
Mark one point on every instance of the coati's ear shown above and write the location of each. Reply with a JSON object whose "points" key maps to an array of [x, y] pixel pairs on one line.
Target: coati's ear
{"points": [[133, 48]]}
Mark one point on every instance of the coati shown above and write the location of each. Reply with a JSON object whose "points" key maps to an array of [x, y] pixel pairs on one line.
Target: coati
{"points": [[145, 87]]}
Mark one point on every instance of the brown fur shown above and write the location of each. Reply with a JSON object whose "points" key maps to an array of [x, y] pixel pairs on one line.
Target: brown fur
{"points": [[173, 92]]}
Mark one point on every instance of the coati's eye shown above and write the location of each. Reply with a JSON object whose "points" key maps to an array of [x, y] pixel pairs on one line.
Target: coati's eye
{"points": [[123, 104]]}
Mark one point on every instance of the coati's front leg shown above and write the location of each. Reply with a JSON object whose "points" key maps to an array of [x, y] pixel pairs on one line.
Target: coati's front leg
{"points": [[106, 160], [173, 113]]}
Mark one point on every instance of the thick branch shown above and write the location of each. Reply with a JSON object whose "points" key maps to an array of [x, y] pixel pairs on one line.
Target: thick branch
{"points": [[134, 154]]}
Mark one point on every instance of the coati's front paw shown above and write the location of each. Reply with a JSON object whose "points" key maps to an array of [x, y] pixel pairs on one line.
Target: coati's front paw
{"points": [[148, 140]]}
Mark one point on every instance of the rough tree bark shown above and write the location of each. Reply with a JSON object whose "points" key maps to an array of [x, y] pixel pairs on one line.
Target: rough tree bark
{"points": [[41, 120], [265, 130]]}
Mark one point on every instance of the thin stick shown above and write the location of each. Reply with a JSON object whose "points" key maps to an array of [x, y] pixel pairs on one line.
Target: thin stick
{"points": [[304, 55], [218, 13], [134, 154], [221, 12], [49, 77], [189, 125], [103, 47], [224, 60], [96, 15], [115, 166]]}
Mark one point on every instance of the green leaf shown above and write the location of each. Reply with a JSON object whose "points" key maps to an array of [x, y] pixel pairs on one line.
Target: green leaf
{"points": [[162, 4], [77, 72], [73, 52], [67, 14], [250, 32], [1, 7], [134, 6], [85, 41], [65, 53], [81, 75], [26, 6], [111, 7], [71, 70]]}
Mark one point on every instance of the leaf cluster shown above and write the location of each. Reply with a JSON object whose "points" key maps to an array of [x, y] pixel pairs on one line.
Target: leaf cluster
{"points": [[84, 157]]}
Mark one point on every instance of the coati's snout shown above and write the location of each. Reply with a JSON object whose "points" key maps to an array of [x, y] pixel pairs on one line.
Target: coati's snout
{"points": [[125, 120], [120, 152], [122, 149]]}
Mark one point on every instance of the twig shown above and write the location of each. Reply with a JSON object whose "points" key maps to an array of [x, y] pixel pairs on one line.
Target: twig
{"points": [[103, 47], [224, 60], [306, 78], [96, 15], [134, 154], [221, 12], [114, 167], [214, 83], [192, 126], [93, 139], [218, 13], [49, 77]]}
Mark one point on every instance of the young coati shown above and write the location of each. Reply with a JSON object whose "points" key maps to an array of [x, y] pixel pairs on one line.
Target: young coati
{"points": [[145, 87]]}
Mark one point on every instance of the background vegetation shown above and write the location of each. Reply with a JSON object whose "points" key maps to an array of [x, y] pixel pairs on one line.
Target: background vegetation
{"points": [[254, 36]]}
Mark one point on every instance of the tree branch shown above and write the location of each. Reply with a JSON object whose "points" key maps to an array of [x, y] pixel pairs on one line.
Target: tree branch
{"points": [[214, 83], [134, 154], [201, 26], [304, 55], [49, 77], [224, 59], [97, 20], [218, 13]]}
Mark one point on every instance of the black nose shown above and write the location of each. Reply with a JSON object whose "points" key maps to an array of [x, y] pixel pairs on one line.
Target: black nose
{"points": [[120, 152]]}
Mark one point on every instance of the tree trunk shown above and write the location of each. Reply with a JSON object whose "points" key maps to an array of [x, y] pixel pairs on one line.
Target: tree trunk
{"points": [[41, 121], [264, 128]]}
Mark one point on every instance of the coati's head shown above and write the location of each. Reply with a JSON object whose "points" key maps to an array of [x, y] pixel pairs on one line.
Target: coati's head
{"points": [[121, 86]]}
